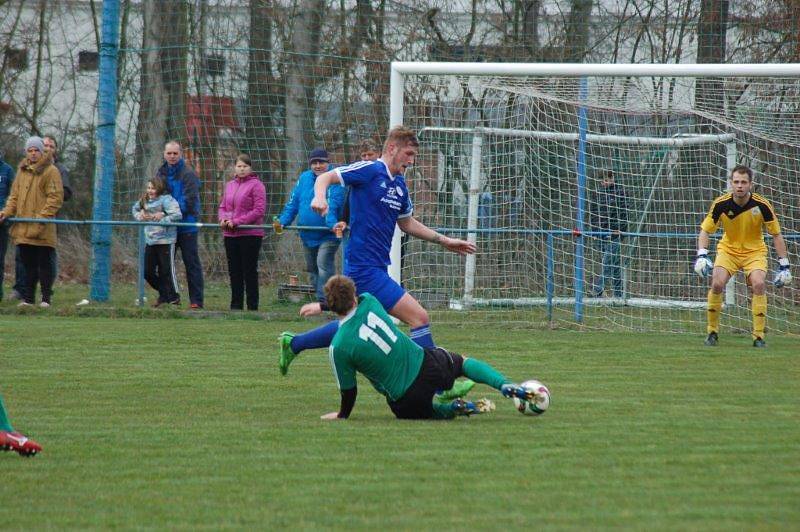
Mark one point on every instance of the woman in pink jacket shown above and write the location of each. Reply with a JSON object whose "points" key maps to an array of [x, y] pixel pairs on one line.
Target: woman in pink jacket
{"points": [[244, 202]]}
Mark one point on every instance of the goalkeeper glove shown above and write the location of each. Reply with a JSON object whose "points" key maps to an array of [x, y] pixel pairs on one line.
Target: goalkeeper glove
{"points": [[703, 266], [783, 276]]}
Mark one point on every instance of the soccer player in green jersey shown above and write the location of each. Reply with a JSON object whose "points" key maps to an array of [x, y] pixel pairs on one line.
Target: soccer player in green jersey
{"points": [[14, 441], [368, 342]]}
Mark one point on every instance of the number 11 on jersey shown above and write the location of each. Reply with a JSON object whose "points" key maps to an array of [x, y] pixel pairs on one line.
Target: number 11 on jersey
{"points": [[368, 333]]}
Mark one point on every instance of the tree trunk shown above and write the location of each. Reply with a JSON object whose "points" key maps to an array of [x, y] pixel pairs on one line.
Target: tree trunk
{"points": [[530, 28], [712, 32], [300, 85], [162, 107], [577, 39], [264, 100]]}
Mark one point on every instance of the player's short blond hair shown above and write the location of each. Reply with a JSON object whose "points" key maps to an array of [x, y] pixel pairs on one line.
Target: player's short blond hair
{"points": [[340, 292], [401, 136], [368, 145]]}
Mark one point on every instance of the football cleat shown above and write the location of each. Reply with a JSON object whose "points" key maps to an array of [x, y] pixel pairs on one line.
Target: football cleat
{"points": [[515, 390], [287, 355], [467, 408], [759, 342], [459, 389], [14, 441], [712, 339]]}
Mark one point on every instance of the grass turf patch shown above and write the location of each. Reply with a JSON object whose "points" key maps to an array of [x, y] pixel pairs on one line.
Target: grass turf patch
{"points": [[187, 423]]}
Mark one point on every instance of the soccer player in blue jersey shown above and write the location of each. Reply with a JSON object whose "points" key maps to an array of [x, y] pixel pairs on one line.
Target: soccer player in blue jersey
{"points": [[379, 200]]}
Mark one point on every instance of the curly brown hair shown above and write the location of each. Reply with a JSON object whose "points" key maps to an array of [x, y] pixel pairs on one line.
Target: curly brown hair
{"points": [[340, 292]]}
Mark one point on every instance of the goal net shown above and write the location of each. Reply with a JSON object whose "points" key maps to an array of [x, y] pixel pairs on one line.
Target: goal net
{"points": [[522, 162]]}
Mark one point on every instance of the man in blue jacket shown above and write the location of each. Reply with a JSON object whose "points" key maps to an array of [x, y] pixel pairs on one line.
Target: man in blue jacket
{"points": [[184, 185], [609, 213], [320, 246], [6, 179]]}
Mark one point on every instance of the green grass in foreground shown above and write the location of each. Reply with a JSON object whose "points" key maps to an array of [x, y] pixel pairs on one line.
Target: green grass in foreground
{"points": [[186, 423]]}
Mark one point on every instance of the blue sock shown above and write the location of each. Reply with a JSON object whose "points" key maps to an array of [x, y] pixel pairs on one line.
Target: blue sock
{"points": [[315, 338], [422, 336]]}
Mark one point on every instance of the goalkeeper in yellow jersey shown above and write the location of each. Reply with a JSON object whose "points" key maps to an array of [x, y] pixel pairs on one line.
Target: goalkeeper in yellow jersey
{"points": [[742, 215]]}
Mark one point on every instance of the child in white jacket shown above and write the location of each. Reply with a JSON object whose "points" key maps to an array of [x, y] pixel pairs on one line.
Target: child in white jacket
{"points": [[159, 255]]}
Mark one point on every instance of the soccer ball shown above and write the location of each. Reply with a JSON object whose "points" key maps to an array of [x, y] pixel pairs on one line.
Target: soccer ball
{"points": [[539, 405]]}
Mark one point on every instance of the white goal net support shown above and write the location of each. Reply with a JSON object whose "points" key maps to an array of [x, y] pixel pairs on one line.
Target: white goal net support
{"points": [[516, 158]]}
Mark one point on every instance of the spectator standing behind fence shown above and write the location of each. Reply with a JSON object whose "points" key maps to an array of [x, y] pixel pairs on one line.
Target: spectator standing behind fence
{"points": [[183, 184], [36, 193], [244, 202], [6, 180], [50, 148], [159, 251], [610, 214], [320, 246]]}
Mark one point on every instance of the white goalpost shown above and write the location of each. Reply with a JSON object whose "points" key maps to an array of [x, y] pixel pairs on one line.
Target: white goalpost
{"points": [[478, 134], [512, 155]]}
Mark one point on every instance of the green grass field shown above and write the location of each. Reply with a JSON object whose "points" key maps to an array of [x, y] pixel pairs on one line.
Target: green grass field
{"points": [[182, 423]]}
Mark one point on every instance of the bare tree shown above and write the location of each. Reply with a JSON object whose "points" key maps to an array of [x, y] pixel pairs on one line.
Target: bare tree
{"points": [[530, 26], [264, 101], [300, 83], [711, 37], [162, 109], [576, 44]]}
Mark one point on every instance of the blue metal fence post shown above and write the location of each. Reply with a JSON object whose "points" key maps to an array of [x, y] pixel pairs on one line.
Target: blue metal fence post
{"points": [[579, 208], [104, 169]]}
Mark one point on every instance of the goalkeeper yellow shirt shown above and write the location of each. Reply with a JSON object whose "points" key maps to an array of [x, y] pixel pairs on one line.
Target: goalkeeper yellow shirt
{"points": [[742, 225]]}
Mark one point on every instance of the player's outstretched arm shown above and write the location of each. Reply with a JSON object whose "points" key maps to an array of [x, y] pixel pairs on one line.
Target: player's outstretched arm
{"points": [[320, 202], [414, 227], [311, 309]]}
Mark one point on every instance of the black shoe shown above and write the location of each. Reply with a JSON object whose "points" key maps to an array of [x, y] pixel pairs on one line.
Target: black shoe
{"points": [[712, 339], [759, 342]]}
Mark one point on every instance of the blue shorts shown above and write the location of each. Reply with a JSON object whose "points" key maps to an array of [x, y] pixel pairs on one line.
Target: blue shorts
{"points": [[377, 282]]}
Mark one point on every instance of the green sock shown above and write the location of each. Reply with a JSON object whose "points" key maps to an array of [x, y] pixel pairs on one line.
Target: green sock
{"points": [[442, 411], [5, 424], [480, 371]]}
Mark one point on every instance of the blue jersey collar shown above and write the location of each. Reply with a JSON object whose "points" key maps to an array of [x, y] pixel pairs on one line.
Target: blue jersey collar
{"points": [[380, 160]]}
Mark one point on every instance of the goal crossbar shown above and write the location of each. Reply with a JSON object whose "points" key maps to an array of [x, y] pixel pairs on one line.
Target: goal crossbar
{"points": [[677, 141], [589, 69]]}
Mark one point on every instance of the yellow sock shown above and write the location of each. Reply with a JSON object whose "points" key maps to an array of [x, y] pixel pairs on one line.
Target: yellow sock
{"points": [[714, 310], [759, 308]]}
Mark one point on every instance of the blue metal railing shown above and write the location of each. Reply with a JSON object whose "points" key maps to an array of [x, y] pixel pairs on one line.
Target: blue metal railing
{"points": [[141, 247]]}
